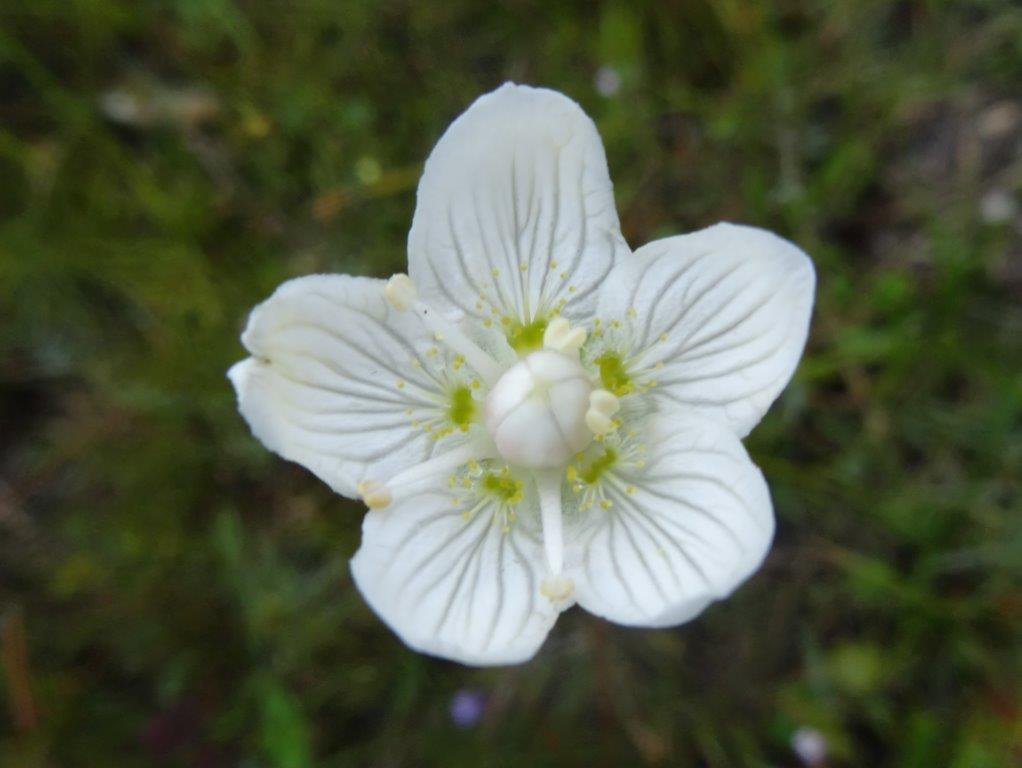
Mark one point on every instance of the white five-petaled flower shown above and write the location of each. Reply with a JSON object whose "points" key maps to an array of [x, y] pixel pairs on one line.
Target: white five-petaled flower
{"points": [[535, 415]]}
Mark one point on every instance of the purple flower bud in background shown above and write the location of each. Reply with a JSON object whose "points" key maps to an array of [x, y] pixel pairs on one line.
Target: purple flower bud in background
{"points": [[607, 81], [467, 707], [810, 745]]}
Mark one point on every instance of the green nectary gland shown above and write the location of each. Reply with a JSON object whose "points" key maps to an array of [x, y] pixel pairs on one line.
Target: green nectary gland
{"points": [[463, 407], [590, 473], [525, 338], [613, 374], [504, 487]]}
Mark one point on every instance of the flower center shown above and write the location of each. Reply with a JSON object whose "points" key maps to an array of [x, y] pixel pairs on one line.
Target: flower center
{"points": [[536, 412]]}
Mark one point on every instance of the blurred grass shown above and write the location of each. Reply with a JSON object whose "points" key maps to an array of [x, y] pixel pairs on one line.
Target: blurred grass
{"points": [[174, 595]]}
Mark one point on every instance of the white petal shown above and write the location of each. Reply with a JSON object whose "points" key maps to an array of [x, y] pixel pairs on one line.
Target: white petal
{"points": [[331, 383], [516, 210], [682, 531], [723, 311], [454, 587]]}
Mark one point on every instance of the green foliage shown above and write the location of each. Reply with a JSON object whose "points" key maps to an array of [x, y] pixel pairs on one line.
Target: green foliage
{"points": [[184, 596]]}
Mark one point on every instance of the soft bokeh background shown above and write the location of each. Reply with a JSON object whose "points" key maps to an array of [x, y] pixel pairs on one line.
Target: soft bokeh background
{"points": [[173, 595]]}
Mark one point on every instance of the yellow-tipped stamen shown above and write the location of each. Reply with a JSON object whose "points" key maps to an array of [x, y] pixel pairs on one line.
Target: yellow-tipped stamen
{"points": [[378, 494], [557, 589], [602, 407], [562, 337], [450, 335], [401, 292], [599, 423], [402, 295], [375, 494]]}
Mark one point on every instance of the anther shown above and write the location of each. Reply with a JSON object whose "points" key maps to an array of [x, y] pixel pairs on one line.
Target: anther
{"points": [[375, 494], [602, 407], [557, 588], [401, 292], [562, 337]]}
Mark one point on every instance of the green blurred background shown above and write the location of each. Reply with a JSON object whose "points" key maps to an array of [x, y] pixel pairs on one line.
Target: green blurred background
{"points": [[171, 594]]}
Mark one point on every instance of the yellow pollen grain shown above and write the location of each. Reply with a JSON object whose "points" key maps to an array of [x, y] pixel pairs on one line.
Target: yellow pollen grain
{"points": [[632, 312], [400, 384]]}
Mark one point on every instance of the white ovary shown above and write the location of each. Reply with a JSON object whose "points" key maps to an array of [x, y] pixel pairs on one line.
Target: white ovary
{"points": [[536, 412]]}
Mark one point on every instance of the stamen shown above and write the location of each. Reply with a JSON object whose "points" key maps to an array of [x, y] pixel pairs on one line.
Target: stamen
{"points": [[561, 337], [402, 294], [557, 588], [379, 495], [548, 486], [449, 334], [375, 494], [602, 407]]}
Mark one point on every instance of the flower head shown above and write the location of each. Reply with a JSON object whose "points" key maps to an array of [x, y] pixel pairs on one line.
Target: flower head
{"points": [[534, 415], [467, 707]]}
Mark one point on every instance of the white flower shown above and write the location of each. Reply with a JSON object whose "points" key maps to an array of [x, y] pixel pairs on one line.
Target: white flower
{"points": [[536, 416]]}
